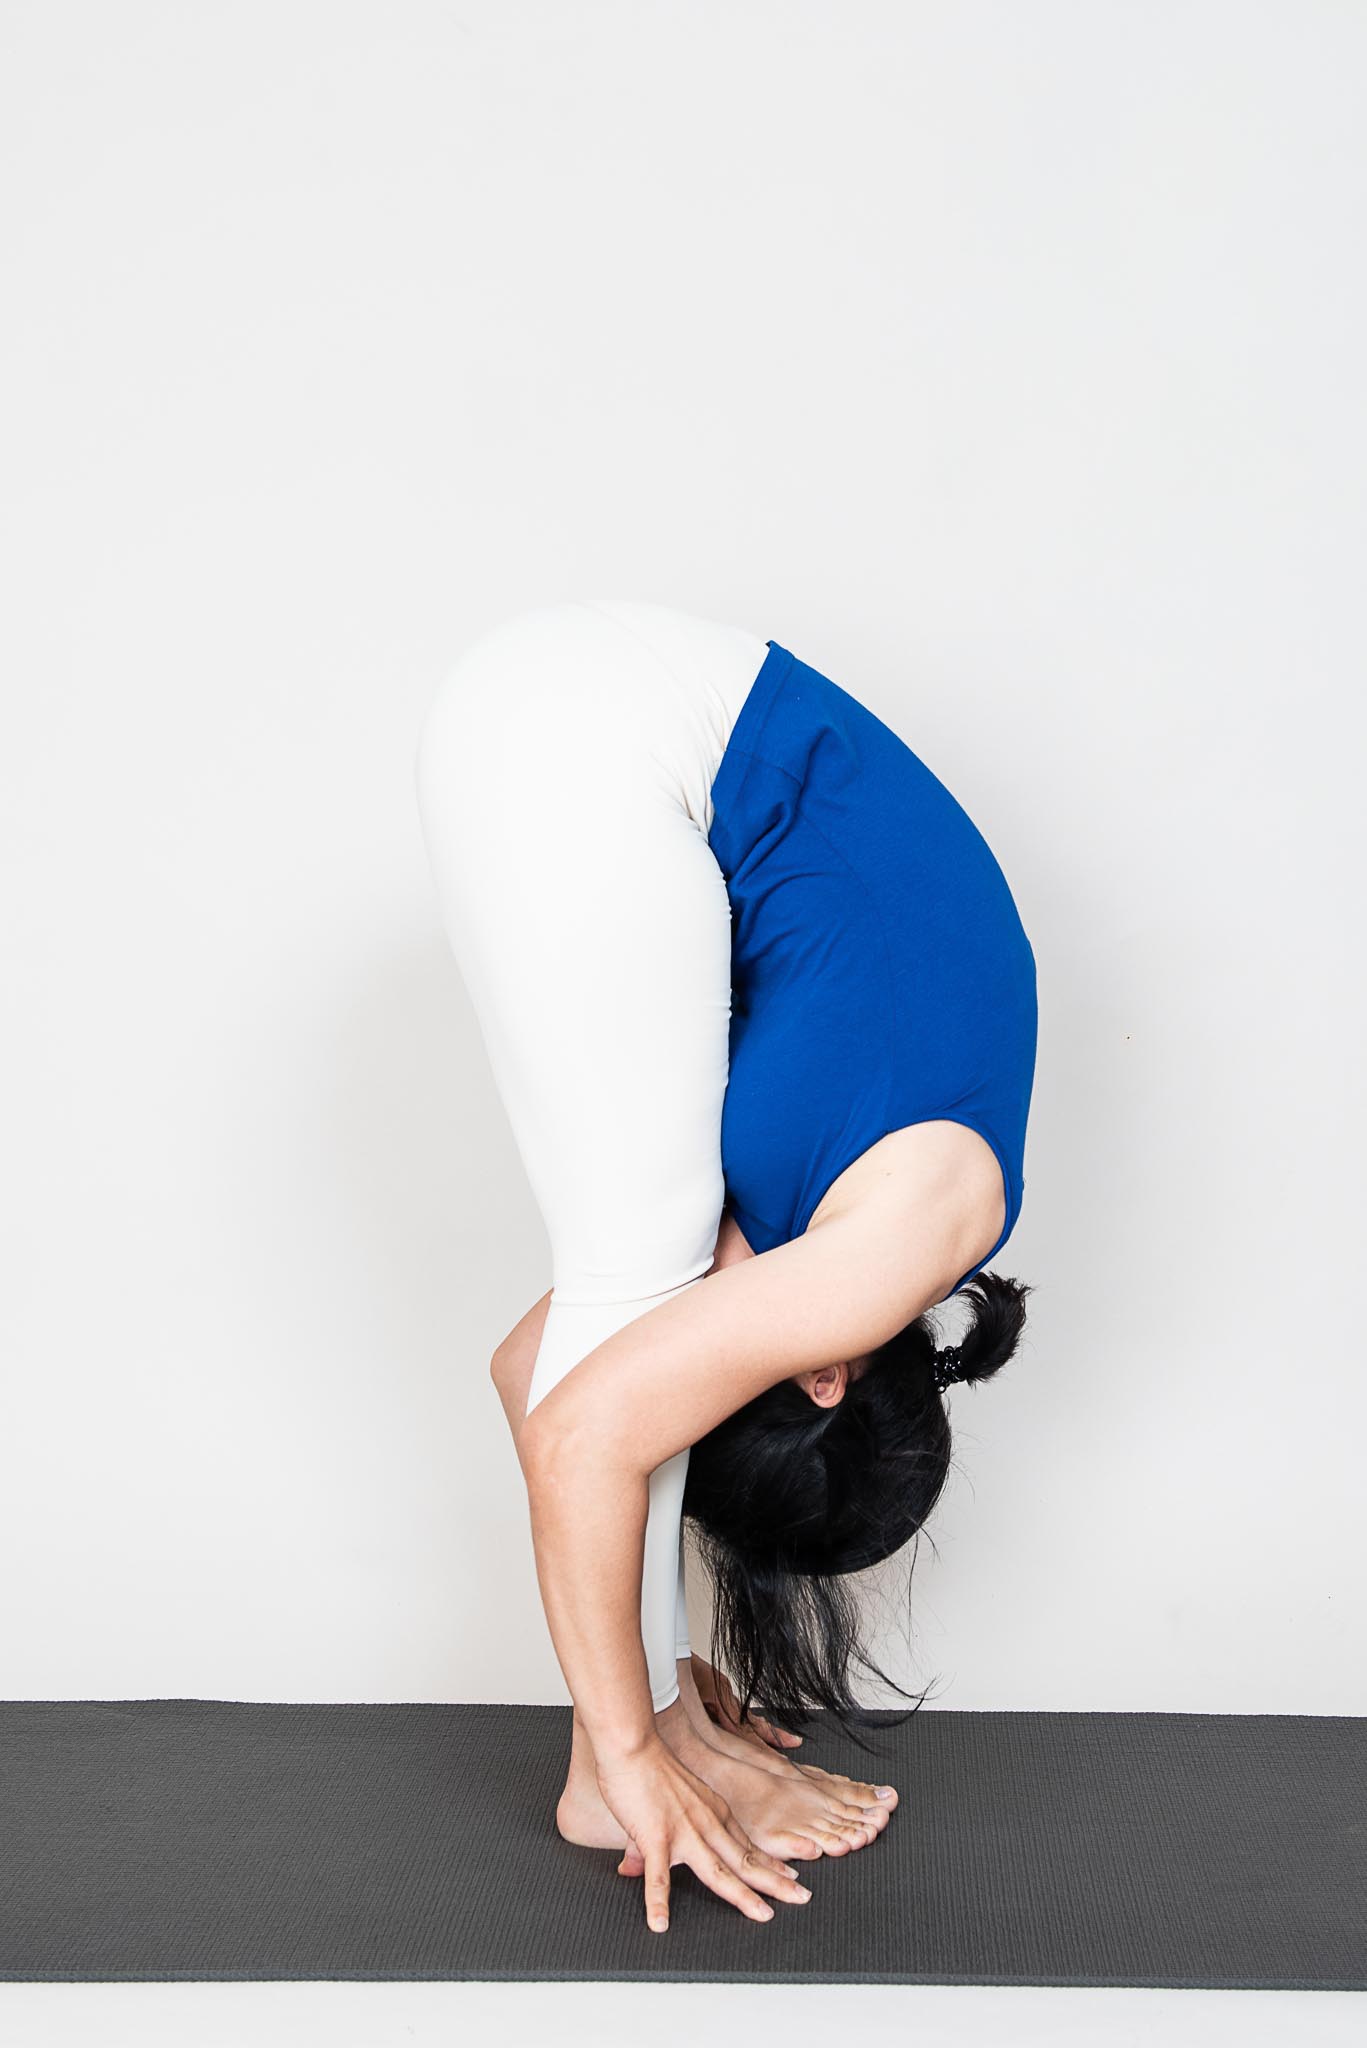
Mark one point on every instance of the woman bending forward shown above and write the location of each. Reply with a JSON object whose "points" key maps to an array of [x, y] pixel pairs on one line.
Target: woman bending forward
{"points": [[763, 1016]]}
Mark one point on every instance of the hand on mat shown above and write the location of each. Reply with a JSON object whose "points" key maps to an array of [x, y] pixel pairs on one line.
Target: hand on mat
{"points": [[718, 1695], [671, 1816]]}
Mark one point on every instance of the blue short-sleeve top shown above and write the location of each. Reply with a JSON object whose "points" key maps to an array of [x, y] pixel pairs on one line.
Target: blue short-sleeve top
{"points": [[880, 973]]}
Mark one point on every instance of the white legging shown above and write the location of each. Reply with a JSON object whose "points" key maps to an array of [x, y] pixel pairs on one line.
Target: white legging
{"points": [[564, 771]]}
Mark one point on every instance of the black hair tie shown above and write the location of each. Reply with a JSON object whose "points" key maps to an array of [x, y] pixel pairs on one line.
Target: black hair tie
{"points": [[948, 1366]]}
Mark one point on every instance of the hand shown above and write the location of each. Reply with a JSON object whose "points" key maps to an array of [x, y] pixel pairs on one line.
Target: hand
{"points": [[672, 1816], [719, 1697]]}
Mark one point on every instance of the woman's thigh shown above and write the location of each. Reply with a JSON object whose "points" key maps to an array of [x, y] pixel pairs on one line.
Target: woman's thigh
{"points": [[593, 929]]}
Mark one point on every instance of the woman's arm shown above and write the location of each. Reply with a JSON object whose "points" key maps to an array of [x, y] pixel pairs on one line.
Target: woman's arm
{"points": [[514, 1362], [698, 1814], [845, 1287]]}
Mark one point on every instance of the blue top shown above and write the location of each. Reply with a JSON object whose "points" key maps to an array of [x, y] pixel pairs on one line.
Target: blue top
{"points": [[880, 972]]}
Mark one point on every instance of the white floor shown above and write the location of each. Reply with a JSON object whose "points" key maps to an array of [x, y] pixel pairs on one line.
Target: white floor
{"points": [[662, 2016]]}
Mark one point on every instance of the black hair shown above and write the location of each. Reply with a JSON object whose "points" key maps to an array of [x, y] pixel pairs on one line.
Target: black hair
{"points": [[788, 1500]]}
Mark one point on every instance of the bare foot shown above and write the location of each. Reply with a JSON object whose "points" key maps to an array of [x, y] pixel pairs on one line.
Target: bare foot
{"points": [[791, 1810], [789, 1815], [879, 1800], [792, 1818], [582, 1814], [718, 1696]]}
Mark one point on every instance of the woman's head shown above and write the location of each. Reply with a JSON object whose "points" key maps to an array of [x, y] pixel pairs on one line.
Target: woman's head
{"points": [[822, 1476]]}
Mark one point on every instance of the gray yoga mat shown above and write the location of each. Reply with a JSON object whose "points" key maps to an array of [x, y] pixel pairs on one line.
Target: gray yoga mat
{"points": [[202, 1839]]}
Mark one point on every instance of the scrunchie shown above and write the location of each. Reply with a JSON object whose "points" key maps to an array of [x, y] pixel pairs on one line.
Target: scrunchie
{"points": [[948, 1366]]}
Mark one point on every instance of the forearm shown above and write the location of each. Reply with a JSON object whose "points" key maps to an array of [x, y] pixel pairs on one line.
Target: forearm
{"points": [[588, 1512], [566, 1491]]}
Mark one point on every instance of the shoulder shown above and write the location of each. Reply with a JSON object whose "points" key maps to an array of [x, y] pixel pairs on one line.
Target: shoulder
{"points": [[932, 1189]]}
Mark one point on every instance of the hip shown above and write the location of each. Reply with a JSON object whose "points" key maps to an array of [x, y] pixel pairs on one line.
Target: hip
{"points": [[582, 706]]}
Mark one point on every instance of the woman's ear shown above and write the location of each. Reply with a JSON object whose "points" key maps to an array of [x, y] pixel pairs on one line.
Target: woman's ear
{"points": [[826, 1385]]}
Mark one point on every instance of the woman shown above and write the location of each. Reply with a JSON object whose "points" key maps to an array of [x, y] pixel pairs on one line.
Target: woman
{"points": [[762, 1015]]}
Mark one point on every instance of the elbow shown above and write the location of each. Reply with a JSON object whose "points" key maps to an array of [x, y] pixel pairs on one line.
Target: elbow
{"points": [[563, 1449]]}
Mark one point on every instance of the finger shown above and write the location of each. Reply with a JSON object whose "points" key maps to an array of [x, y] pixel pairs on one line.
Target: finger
{"points": [[712, 1867], [789, 1841], [657, 1885], [633, 1862], [757, 1867], [753, 1856]]}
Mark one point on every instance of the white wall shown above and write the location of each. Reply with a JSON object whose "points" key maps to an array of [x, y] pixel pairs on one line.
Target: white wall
{"points": [[1003, 360]]}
